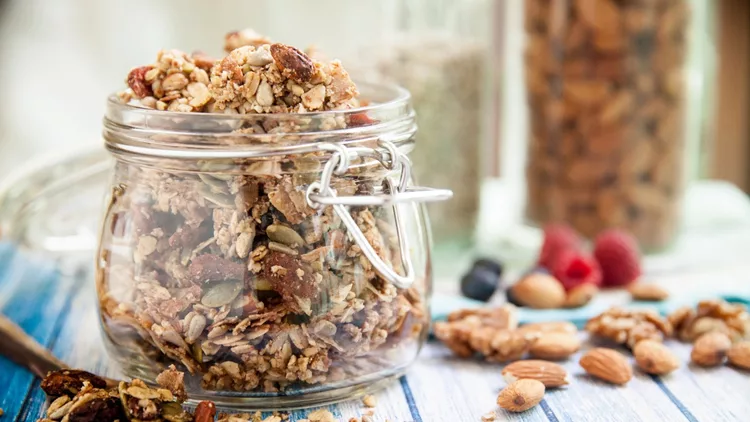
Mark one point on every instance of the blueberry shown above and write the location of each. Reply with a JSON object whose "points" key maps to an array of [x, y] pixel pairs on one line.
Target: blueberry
{"points": [[479, 283], [490, 264]]}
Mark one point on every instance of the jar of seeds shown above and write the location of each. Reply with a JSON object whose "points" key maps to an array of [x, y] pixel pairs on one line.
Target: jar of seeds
{"points": [[606, 88]]}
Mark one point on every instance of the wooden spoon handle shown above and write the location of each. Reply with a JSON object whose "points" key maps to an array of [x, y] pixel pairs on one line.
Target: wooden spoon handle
{"points": [[19, 347]]}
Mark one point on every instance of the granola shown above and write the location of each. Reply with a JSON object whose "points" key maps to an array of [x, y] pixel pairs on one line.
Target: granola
{"points": [[629, 326], [225, 269]]}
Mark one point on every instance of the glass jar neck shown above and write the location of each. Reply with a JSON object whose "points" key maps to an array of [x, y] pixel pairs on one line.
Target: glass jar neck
{"points": [[136, 134]]}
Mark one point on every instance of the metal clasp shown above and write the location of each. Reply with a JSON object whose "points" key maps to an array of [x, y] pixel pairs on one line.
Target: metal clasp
{"points": [[321, 193]]}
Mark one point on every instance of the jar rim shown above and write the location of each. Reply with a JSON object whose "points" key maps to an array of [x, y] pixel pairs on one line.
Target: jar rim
{"points": [[129, 129]]}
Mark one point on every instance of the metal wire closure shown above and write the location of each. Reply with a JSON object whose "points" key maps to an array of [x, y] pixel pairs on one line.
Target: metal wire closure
{"points": [[321, 193]]}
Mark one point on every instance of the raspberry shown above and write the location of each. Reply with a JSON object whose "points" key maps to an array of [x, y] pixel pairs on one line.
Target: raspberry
{"points": [[557, 239], [573, 268], [617, 254]]}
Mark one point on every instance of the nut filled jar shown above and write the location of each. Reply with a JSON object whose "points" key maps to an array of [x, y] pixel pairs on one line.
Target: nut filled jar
{"points": [[606, 86], [282, 260]]}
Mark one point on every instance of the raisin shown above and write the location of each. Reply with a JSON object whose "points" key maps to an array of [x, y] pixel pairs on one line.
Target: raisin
{"points": [[69, 381]]}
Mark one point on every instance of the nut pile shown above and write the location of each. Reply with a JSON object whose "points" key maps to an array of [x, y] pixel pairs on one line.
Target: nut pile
{"points": [[628, 327], [605, 84], [226, 270], [711, 315]]}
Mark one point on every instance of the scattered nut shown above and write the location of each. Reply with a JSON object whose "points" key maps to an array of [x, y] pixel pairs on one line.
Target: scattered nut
{"points": [[539, 291], [607, 364], [654, 357], [739, 355], [548, 373], [521, 395], [580, 295], [555, 346], [369, 400], [710, 349], [647, 292]]}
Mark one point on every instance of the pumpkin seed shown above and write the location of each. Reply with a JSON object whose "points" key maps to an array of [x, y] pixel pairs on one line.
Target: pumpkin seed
{"points": [[219, 199], [171, 408], [283, 234], [197, 352], [221, 294], [214, 183], [279, 247]]}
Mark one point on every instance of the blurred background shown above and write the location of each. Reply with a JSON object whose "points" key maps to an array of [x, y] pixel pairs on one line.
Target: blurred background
{"points": [[530, 110]]}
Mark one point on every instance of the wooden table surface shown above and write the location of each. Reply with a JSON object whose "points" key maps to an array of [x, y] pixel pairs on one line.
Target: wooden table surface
{"points": [[59, 311]]}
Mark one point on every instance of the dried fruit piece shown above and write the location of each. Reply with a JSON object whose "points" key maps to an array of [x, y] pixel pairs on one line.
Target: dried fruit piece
{"points": [[607, 364], [574, 268], [98, 408], [137, 81], [548, 373], [539, 291], [555, 346], [618, 256], [205, 411], [739, 355], [710, 349], [647, 292], [69, 381], [557, 239], [521, 395], [289, 276], [296, 63], [653, 357]]}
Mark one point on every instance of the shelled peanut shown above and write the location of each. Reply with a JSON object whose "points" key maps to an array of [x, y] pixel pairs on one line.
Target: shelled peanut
{"points": [[605, 84]]}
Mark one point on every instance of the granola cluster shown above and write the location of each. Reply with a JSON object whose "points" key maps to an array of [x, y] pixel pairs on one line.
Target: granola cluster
{"points": [[628, 327], [491, 332], [227, 270], [711, 316], [256, 76]]}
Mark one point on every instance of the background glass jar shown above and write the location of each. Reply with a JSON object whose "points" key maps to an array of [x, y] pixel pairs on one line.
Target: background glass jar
{"points": [[606, 84], [226, 250]]}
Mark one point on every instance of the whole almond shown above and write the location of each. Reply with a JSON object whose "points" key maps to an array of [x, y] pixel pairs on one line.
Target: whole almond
{"points": [[710, 349], [555, 346], [297, 63], [549, 327], [540, 291], [580, 295], [607, 364], [739, 355], [548, 373], [205, 411], [521, 395], [653, 357], [647, 292]]}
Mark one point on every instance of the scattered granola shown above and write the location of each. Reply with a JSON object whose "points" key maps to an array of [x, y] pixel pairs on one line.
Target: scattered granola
{"points": [[711, 316], [629, 326], [226, 269]]}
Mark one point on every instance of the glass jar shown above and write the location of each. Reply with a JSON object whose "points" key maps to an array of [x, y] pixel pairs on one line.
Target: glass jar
{"points": [[439, 51], [282, 260], [606, 84]]}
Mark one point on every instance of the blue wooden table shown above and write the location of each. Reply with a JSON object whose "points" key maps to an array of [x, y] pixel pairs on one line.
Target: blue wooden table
{"points": [[58, 310]]}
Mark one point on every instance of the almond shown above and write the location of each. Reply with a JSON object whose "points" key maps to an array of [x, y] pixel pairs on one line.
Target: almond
{"points": [[205, 411], [555, 346], [648, 292], [548, 373], [521, 395], [289, 59], [710, 349], [549, 327], [607, 364], [580, 295], [739, 355], [540, 291], [653, 357]]}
